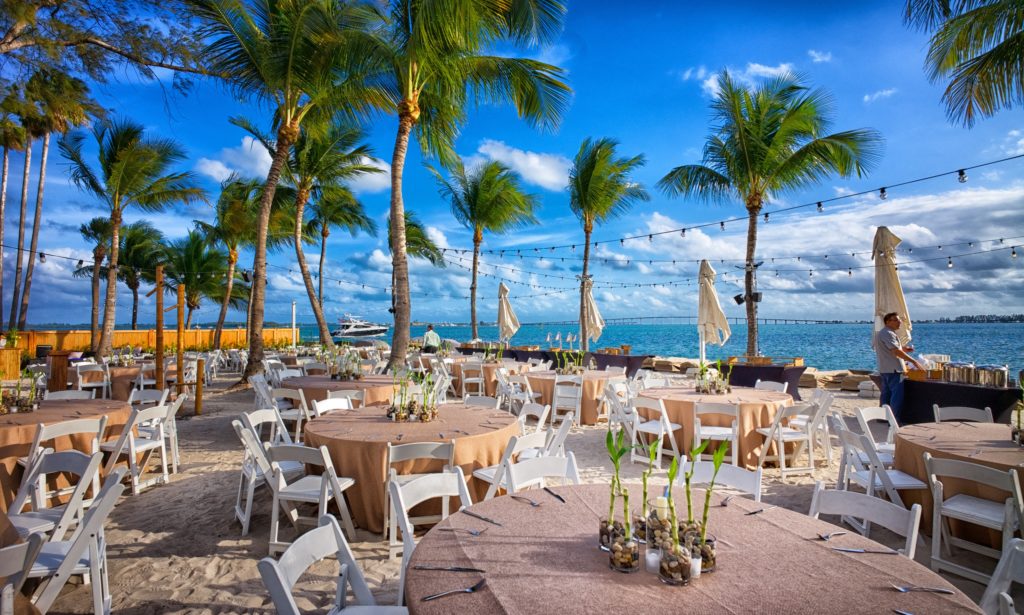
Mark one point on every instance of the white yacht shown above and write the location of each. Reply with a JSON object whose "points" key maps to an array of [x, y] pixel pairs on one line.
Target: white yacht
{"points": [[353, 326]]}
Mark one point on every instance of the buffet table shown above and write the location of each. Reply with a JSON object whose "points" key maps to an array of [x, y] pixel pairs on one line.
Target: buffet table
{"points": [[546, 560], [376, 389], [632, 362], [748, 375], [919, 397], [357, 443]]}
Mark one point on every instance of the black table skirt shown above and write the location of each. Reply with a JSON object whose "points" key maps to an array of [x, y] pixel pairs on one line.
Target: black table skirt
{"points": [[748, 375], [920, 396], [631, 362]]}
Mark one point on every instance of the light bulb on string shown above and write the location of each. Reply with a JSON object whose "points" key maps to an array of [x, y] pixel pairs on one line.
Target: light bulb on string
{"points": [[882, 194], [961, 176], [849, 272], [42, 257], [949, 263], [81, 263], [821, 207], [682, 233], [722, 225], [1013, 252], [766, 218], [650, 238]]}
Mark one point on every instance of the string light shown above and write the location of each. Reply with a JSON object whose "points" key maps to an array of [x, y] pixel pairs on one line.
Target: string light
{"points": [[722, 224], [766, 217], [42, 257], [821, 207], [961, 176], [1013, 252], [682, 233], [949, 264], [882, 195], [81, 263]]}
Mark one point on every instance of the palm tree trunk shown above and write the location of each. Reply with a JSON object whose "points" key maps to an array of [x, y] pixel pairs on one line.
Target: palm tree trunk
{"points": [[135, 306], [300, 255], [3, 207], [584, 344], [285, 137], [219, 329], [21, 238], [94, 330], [110, 310], [399, 260], [188, 317], [323, 254], [477, 239], [748, 280], [36, 223]]}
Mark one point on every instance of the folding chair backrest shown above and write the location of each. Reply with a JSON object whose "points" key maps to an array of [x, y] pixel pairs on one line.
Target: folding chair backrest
{"points": [[83, 467], [534, 471], [15, 562], [770, 385], [443, 451], [331, 404], [482, 401], [877, 413], [148, 396], [303, 454], [731, 476], [314, 367], [1009, 570], [702, 408], [615, 369], [70, 394], [556, 438], [962, 413], [154, 415], [277, 433], [535, 410], [450, 483], [46, 433], [254, 449], [349, 394], [976, 473], [892, 517]]}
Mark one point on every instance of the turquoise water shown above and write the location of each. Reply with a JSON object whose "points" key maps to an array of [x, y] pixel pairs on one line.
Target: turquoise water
{"points": [[845, 346]]}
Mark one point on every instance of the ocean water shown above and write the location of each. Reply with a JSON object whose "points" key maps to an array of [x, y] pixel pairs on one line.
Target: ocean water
{"points": [[839, 346]]}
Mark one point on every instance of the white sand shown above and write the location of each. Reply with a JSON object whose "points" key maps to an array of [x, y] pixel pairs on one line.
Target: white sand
{"points": [[177, 548]]}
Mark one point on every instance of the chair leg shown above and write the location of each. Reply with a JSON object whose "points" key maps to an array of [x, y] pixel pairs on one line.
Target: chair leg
{"points": [[346, 517], [275, 519], [733, 444]]}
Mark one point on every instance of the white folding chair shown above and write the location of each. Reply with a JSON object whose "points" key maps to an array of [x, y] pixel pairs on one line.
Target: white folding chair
{"points": [[148, 397], [317, 489], [355, 397], [770, 385], [887, 446], [256, 470], [536, 411], [497, 476], [962, 413], [54, 521], [314, 368], [616, 370], [398, 453], [280, 576], [298, 412], [146, 377], [813, 419], [717, 433], [405, 496], [131, 446], [535, 472], [892, 517], [270, 418], [85, 552], [101, 384], [780, 435], [522, 392], [95, 429], [1009, 570], [659, 427], [491, 403], [471, 380], [567, 397], [69, 394], [15, 563], [331, 404], [734, 477], [1006, 516]]}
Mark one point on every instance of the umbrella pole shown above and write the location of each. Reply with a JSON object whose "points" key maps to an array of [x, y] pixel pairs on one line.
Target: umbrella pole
{"points": [[702, 356]]}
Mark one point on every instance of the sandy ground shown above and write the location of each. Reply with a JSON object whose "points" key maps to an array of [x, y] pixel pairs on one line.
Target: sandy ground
{"points": [[177, 548]]}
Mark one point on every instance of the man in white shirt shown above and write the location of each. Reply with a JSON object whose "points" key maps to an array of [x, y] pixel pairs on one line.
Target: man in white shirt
{"points": [[431, 340], [891, 355]]}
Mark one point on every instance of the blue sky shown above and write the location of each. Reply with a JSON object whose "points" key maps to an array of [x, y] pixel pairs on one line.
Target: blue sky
{"points": [[644, 78]]}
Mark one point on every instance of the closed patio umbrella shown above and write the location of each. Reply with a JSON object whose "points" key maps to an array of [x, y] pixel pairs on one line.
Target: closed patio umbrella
{"points": [[712, 325], [508, 324], [888, 291], [595, 324]]}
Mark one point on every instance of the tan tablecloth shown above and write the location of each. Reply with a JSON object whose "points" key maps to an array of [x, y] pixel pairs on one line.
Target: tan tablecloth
{"points": [[122, 380], [490, 374], [357, 442], [987, 444], [18, 430], [757, 409], [376, 389], [546, 560], [594, 382]]}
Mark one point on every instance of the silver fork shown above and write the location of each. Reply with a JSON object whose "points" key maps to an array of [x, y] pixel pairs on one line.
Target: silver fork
{"points": [[523, 498], [827, 537], [463, 529], [725, 502], [915, 588], [465, 590]]}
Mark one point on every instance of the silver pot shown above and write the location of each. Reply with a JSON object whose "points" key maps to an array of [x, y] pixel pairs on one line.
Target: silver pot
{"points": [[960, 373], [993, 375]]}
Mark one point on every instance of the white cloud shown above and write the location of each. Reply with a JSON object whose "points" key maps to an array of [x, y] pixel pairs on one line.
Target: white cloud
{"points": [[249, 159], [557, 55], [819, 56], [1013, 144], [699, 73], [369, 183], [880, 94], [438, 237], [549, 171], [749, 75]]}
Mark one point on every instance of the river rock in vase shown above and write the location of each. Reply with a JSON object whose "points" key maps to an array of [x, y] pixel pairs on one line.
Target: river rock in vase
{"points": [[625, 554], [674, 568], [607, 532], [708, 554], [659, 528]]}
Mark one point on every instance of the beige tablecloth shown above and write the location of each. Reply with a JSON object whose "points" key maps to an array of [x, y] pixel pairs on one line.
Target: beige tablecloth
{"points": [[594, 382], [17, 431], [546, 560], [122, 380], [987, 444], [757, 409], [357, 442], [490, 374], [376, 389]]}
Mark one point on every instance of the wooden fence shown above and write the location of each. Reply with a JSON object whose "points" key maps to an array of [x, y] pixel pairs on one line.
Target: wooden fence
{"points": [[193, 339]]}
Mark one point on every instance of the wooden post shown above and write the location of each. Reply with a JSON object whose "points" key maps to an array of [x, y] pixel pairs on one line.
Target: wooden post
{"points": [[200, 372], [179, 358], [58, 370], [159, 290]]}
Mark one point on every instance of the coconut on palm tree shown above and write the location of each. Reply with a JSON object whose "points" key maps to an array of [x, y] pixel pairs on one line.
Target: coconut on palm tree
{"points": [[202, 269], [438, 54], [307, 60], [133, 172], [96, 232], [141, 247], [767, 140], [339, 210], [600, 188], [977, 46], [63, 103], [488, 198], [12, 137]]}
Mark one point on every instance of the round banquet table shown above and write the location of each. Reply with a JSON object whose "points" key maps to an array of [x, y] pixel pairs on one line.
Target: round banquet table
{"points": [[357, 443], [986, 444], [594, 382], [376, 389], [546, 560], [17, 431], [757, 409], [490, 373]]}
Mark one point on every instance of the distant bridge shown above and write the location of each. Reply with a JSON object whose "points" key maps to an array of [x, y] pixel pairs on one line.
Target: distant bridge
{"points": [[692, 320]]}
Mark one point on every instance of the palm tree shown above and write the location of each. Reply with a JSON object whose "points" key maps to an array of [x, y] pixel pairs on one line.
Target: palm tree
{"points": [[192, 261], [600, 188], [63, 103], [97, 232], [12, 137], [133, 171], [141, 247], [437, 55], [418, 244], [340, 210], [767, 140], [27, 113], [489, 198], [306, 58], [976, 44]]}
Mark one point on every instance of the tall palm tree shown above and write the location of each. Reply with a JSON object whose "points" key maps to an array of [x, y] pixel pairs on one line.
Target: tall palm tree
{"points": [[306, 59], [767, 140], [343, 211], [439, 64], [977, 45], [202, 268], [488, 198], [418, 244], [141, 247], [600, 188], [63, 103], [27, 113], [12, 137], [97, 232], [133, 172]]}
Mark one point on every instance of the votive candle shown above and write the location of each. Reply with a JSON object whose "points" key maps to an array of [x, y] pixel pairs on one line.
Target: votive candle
{"points": [[652, 560]]}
